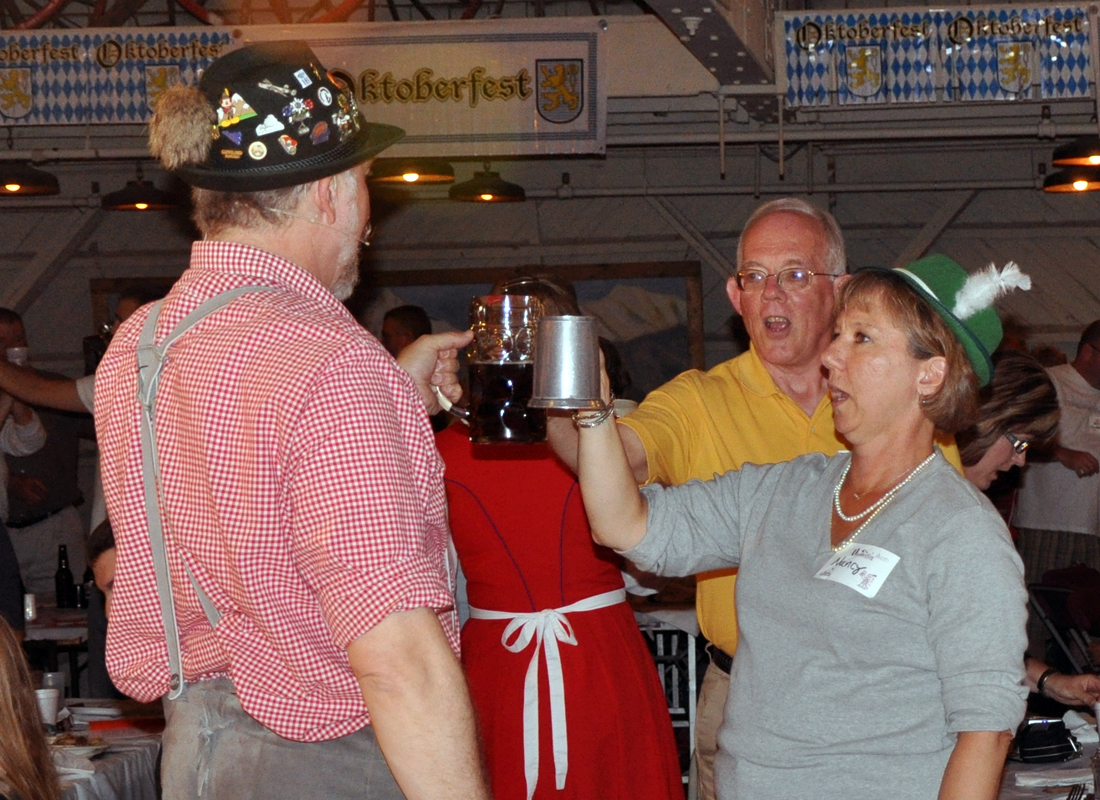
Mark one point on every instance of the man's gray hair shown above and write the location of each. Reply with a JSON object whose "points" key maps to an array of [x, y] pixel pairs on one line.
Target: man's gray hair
{"points": [[214, 210], [834, 261]]}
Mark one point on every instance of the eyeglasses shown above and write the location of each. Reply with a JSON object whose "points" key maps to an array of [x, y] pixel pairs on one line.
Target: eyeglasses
{"points": [[794, 279], [1018, 444]]}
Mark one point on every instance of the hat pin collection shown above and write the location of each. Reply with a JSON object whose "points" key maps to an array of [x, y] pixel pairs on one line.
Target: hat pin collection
{"points": [[302, 116]]}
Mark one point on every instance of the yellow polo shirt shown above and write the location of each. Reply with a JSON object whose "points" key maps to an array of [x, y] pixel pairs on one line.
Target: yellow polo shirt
{"points": [[705, 423]]}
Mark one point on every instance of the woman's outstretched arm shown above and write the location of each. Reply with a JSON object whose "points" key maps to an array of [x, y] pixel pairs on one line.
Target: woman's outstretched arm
{"points": [[616, 509]]}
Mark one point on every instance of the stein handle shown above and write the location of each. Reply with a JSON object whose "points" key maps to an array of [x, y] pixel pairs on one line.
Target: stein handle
{"points": [[458, 411]]}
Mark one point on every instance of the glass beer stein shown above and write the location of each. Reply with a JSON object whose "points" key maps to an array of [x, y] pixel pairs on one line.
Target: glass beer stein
{"points": [[502, 369]]}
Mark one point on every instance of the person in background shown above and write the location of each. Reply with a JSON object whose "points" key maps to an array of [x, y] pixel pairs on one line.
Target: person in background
{"points": [[403, 325], [102, 557], [26, 769], [301, 493], [1058, 508], [881, 602], [1070, 690], [527, 552], [68, 394], [1019, 410], [767, 405], [43, 491], [21, 433]]}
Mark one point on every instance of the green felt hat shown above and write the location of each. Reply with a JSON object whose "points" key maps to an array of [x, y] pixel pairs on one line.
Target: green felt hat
{"points": [[965, 303]]}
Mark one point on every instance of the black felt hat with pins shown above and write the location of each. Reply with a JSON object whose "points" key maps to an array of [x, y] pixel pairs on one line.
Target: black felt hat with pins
{"points": [[272, 117]]}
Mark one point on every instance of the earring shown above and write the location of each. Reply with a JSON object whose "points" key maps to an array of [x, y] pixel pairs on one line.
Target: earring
{"points": [[923, 399]]}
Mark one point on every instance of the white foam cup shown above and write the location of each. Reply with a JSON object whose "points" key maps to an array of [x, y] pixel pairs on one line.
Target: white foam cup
{"points": [[48, 701]]}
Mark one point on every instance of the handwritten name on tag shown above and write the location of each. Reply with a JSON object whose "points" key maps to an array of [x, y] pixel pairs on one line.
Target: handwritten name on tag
{"points": [[862, 567]]}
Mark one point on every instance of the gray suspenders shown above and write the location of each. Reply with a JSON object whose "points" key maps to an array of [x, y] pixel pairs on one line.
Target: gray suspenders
{"points": [[151, 361]]}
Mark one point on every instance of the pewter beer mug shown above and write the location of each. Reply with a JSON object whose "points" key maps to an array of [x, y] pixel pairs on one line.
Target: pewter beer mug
{"points": [[567, 364], [502, 369]]}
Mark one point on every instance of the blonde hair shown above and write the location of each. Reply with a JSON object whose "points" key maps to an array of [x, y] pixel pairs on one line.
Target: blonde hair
{"points": [[25, 763]]}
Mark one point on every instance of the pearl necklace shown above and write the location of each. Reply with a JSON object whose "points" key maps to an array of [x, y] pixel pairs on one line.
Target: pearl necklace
{"points": [[875, 508]]}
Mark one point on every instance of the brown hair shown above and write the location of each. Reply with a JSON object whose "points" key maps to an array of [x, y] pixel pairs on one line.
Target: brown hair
{"points": [[1020, 398], [952, 407], [25, 763]]}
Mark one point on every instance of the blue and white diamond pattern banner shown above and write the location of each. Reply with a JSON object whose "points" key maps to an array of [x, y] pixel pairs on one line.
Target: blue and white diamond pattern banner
{"points": [[922, 55], [106, 76]]}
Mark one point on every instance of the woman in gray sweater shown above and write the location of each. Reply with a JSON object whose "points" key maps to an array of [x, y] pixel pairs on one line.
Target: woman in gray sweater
{"points": [[880, 602]]}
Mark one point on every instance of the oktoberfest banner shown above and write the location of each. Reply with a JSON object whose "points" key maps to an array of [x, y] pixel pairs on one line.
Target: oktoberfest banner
{"points": [[918, 55], [477, 88], [106, 76]]}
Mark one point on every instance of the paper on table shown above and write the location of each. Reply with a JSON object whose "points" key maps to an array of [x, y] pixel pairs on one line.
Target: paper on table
{"points": [[1081, 728], [95, 712], [1056, 777]]}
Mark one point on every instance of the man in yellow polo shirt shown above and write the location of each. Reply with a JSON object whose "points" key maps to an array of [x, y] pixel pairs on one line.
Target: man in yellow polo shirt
{"points": [[767, 405]]}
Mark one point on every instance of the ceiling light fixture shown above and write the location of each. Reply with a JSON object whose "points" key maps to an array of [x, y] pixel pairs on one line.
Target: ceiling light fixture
{"points": [[17, 178], [411, 172], [1082, 152], [140, 195], [487, 187], [1073, 179]]}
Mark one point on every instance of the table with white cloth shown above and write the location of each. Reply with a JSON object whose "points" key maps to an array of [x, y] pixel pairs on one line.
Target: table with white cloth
{"points": [[1059, 777], [129, 768]]}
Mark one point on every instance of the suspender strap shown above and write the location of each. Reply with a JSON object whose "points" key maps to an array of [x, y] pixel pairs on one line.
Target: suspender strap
{"points": [[151, 360]]}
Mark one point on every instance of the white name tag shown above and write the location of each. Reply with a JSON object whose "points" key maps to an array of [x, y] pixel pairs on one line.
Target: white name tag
{"points": [[862, 567]]}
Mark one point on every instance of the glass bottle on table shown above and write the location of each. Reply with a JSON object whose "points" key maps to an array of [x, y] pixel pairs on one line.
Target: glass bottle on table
{"points": [[64, 588]]}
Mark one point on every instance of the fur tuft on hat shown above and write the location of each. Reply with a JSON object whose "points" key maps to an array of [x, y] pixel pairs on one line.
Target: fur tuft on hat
{"points": [[180, 132]]}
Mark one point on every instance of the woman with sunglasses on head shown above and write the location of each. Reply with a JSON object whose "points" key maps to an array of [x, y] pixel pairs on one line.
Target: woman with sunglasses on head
{"points": [[881, 603]]}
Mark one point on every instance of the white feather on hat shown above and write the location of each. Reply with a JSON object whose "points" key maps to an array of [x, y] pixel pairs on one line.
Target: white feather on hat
{"points": [[985, 286]]}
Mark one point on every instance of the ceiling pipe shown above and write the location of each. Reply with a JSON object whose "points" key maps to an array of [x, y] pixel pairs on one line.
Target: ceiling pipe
{"points": [[93, 154], [836, 134], [645, 191], [817, 134]]}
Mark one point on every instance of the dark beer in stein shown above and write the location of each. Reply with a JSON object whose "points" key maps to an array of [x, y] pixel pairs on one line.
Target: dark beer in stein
{"points": [[502, 371]]}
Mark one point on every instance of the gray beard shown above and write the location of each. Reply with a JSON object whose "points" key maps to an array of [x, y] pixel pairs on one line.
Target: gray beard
{"points": [[348, 278]]}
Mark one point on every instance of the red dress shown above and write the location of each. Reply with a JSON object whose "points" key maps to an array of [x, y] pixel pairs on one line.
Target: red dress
{"points": [[524, 543]]}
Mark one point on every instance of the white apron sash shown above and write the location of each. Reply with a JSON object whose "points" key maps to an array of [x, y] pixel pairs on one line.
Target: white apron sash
{"points": [[547, 628]]}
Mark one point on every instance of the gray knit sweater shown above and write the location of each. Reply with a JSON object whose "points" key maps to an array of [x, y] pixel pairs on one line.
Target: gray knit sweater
{"points": [[835, 694]]}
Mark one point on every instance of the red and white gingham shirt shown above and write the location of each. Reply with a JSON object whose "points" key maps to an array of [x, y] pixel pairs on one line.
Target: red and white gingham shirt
{"points": [[300, 485]]}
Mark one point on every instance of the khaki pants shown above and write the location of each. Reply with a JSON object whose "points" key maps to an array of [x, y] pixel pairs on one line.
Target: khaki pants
{"points": [[708, 717], [213, 749]]}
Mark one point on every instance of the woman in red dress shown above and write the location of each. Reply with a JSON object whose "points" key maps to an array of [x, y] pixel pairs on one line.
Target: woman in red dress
{"points": [[523, 539]]}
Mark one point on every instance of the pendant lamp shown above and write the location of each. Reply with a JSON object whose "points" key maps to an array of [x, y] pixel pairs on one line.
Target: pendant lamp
{"points": [[17, 178], [1073, 179], [487, 187], [140, 195], [1082, 152], [411, 172]]}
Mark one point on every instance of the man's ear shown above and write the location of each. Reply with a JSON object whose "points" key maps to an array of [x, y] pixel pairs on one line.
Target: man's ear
{"points": [[324, 194], [734, 293]]}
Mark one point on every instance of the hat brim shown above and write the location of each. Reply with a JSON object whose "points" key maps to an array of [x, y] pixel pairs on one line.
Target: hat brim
{"points": [[372, 139], [975, 351]]}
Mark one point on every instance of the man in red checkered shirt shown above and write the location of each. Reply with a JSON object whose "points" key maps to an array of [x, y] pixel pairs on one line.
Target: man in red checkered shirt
{"points": [[301, 495]]}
